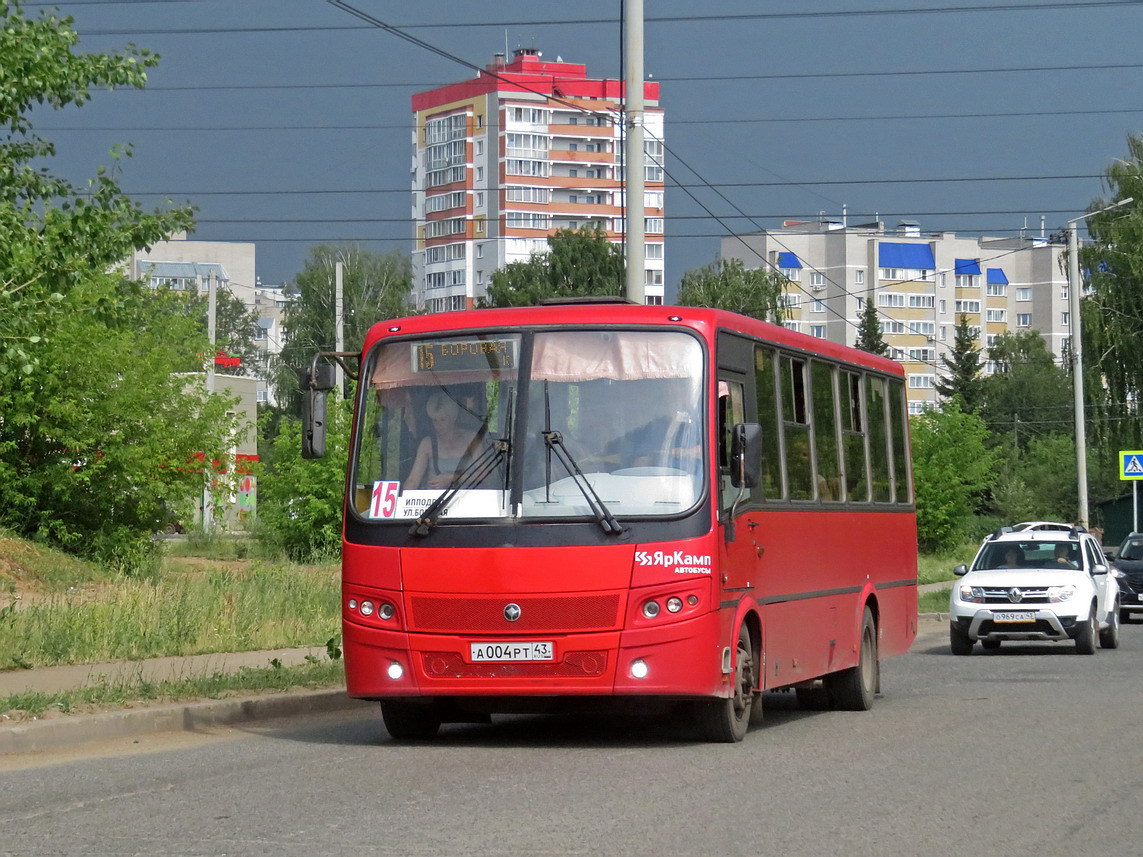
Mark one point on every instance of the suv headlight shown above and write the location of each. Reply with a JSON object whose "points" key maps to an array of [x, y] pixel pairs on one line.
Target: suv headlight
{"points": [[971, 594], [1061, 593]]}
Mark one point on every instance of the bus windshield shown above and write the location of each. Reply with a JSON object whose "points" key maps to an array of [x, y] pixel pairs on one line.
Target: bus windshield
{"points": [[550, 424]]}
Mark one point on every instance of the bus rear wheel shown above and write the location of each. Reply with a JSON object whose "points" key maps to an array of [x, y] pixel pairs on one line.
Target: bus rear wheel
{"points": [[409, 721], [726, 720], [853, 689]]}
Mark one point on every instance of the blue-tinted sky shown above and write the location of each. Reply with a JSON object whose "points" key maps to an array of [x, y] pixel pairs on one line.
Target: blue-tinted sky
{"points": [[288, 122]]}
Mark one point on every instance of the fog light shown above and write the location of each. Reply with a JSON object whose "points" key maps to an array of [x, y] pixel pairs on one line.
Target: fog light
{"points": [[639, 669], [651, 609], [386, 611], [395, 670], [674, 605], [352, 603], [366, 608]]}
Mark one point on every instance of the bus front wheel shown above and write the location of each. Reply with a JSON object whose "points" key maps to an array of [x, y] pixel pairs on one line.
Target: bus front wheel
{"points": [[409, 721], [853, 689], [726, 720]]}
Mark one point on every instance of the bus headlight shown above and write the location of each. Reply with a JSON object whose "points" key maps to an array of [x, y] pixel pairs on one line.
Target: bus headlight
{"points": [[674, 604], [386, 611], [395, 670], [639, 668], [367, 608], [651, 609]]}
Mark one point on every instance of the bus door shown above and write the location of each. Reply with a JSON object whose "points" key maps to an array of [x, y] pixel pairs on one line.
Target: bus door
{"points": [[738, 521]]}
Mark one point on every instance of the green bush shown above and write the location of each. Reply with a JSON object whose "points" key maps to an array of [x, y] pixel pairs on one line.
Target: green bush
{"points": [[300, 501]]}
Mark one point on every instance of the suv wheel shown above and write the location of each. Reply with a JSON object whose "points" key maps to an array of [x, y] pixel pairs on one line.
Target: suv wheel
{"points": [[1109, 636], [1085, 639], [959, 641]]}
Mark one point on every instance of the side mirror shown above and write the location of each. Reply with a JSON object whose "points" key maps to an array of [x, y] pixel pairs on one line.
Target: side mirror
{"points": [[318, 382], [746, 455], [961, 570], [1099, 569]]}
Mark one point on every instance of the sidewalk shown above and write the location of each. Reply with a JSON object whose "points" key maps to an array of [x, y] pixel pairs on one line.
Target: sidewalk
{"points": [[59, 730]]}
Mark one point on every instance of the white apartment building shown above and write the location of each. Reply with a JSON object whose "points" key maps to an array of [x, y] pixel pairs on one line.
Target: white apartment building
{"points": [[503, 160], [922, 284]]}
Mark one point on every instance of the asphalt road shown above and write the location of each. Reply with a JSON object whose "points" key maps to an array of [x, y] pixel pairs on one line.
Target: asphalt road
{"points": [[1026, 751]]}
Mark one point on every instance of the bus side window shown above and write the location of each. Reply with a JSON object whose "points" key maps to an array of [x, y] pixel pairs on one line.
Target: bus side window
{"points": [[899, 425], [853, 437], [825, 432], [878, 438], [731, 411], [796, 426], [765, 382]]}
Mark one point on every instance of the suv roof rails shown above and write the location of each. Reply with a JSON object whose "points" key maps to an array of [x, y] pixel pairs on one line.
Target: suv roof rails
{"points": [[1000, 531]]}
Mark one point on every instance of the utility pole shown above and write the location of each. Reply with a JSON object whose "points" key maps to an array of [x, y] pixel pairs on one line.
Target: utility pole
{"points": [[339, 321], [633, 151], [212, 338], [1075, 286]]}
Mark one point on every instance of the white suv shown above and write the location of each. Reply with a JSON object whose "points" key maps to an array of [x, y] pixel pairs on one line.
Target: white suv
{"points": [[1035, 583]]}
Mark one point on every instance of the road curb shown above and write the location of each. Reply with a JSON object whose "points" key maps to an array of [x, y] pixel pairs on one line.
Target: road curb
{"points": [[72, 730]]}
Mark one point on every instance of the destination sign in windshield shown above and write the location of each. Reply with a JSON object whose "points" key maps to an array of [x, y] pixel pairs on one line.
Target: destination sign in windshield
{"points": [[458, 355]]}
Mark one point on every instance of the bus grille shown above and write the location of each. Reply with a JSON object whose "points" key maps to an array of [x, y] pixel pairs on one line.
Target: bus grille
{"points": [[482, 615], [452, 665]]}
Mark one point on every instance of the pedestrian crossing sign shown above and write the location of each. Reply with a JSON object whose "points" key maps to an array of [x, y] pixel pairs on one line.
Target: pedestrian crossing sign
{"points": [[1131, 464]]}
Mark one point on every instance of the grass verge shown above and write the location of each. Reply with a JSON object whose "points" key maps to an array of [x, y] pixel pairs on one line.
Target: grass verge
{"points": [[125, 694], [934, 602], [937, 568], [225, 607]]}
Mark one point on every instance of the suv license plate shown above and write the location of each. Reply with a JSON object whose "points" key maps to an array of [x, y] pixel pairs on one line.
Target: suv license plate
{"points": [[1021, 616], [523, 651]]}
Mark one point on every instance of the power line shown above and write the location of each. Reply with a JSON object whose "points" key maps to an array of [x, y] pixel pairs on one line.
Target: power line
{"points": [[202, 87], [651, 19], [758, 120], [799, 183]]}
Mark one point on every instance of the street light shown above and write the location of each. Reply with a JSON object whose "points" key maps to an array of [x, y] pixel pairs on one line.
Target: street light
{"points": [[1074, 287]]}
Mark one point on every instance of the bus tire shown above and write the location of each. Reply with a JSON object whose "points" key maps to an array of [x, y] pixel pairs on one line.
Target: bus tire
{"points": [[409, 721], [726, 720], [853, 689]]}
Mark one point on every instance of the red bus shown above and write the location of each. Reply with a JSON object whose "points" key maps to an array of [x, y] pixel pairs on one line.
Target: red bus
{"points": [[590, 501]]}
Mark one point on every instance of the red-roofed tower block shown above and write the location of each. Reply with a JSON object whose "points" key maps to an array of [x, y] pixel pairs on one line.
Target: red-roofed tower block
{"points": [[503, 160]]}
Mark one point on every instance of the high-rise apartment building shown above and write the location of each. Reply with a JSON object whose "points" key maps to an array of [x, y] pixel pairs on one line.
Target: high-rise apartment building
{"points": [[922, 284], [505, 159]]}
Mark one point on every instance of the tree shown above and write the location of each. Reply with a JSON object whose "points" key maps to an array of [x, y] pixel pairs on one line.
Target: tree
{"points": [[98, 435], [375, 287], [1112, 314], [52, 234], [952, 471], [300, 501], [579, 263], [728, 284], [964, 368], [869, 336], [234, 327], [1027, 394]]}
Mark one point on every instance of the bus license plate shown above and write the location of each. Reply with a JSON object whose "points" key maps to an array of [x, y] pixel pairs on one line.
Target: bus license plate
{"points": [[522, 651], [1021, 616]]}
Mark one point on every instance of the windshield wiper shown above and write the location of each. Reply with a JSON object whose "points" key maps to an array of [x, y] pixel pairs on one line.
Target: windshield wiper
{"points": [[554, 441], [474, 473]]}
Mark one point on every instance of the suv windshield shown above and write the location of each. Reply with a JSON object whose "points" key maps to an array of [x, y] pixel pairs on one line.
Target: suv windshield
{"points": [[598, 423], [1029, 554]]}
